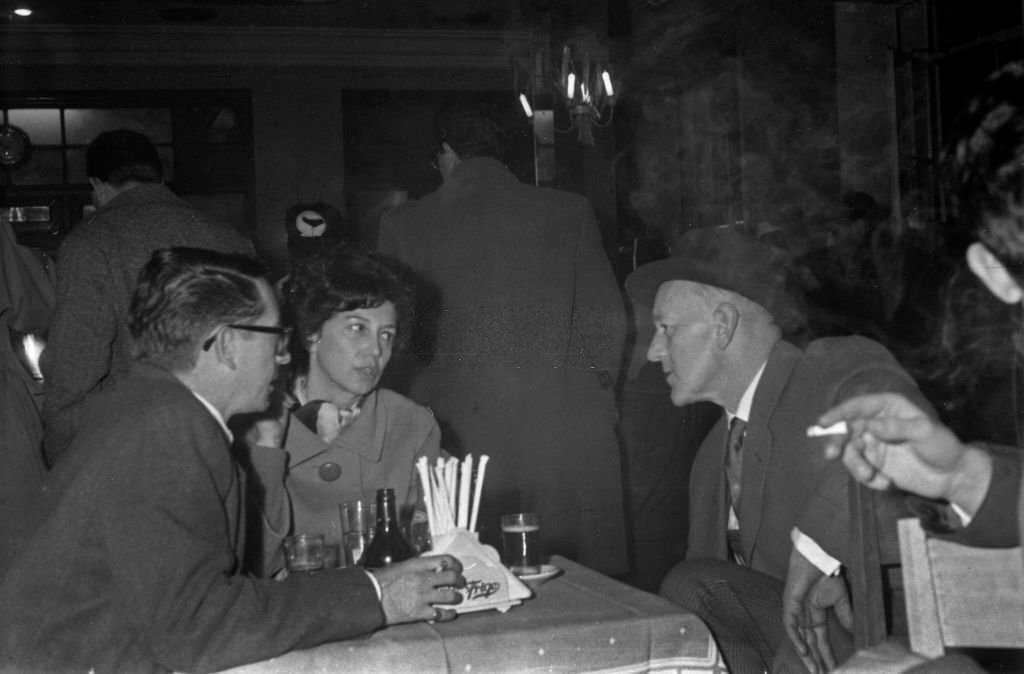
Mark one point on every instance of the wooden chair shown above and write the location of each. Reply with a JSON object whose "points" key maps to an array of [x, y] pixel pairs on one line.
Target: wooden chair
{"points": [[865, 574], [959, 596], [873, 568]]}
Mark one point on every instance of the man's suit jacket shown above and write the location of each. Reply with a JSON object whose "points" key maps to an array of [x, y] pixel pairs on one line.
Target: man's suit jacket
{"points": [[135, 566], [526, 339], [786, 480]]}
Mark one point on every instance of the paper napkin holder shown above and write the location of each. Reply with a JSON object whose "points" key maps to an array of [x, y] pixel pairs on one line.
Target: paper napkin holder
{"points": [[489, 585]]}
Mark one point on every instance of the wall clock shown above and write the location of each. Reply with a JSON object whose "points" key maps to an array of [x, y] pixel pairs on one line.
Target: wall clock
{"points": [[15, 146]]}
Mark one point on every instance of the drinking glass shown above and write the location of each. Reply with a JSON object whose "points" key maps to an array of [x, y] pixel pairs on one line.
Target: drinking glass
{"points": [[358, 520], [520, 538], [304, 552]]}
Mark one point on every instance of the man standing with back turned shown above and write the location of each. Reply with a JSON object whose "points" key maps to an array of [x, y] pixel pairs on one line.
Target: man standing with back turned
{"points": [[97, 264], [529, 332]]}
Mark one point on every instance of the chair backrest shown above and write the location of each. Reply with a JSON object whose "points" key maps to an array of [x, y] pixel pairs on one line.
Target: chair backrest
{"points": [[873, 564], [865, 570], [960, 596]]}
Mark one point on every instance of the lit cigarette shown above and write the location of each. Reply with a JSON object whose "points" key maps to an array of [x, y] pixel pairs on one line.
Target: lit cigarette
{"points": [[838, 428]]}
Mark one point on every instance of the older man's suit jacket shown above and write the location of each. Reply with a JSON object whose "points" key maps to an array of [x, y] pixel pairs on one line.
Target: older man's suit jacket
{"points": [[786, 480], [135, 566]]}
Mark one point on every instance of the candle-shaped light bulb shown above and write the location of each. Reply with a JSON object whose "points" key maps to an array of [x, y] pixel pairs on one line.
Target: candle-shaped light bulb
{"points": [[609, 90], [527, 109], [570, 86], [584, 92], [565, 64]]}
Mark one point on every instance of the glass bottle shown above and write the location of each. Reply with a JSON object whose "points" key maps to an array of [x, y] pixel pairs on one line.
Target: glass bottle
{"points": [[388, 545]]}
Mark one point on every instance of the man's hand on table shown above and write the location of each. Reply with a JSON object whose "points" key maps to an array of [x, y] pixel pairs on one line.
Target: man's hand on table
{"points": [[410, 589], [806, 598], [892, 442]]}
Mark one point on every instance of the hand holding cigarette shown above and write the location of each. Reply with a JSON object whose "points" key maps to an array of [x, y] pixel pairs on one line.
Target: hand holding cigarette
{"points": [[897, 443]]}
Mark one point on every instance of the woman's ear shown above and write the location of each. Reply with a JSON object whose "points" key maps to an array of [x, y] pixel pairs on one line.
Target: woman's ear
{"points": [[312, 342], [993, 274]]}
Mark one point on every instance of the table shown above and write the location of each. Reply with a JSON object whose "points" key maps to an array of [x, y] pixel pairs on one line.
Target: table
{"points": [[579, 621]]}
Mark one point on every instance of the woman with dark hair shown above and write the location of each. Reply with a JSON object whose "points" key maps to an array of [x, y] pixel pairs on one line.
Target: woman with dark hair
{"points": [[344, 437]]}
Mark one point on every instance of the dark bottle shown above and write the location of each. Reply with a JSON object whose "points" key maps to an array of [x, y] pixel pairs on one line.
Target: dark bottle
{"points": [[388, 545]]}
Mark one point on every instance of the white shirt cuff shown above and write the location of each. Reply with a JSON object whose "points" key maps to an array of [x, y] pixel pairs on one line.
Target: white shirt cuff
{"points": [[807, 547], [376, 585]]}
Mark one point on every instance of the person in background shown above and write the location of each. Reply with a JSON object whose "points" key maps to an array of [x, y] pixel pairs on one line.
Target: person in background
{"points": [[26, 304], [344, 437], [768, 515], [97, 264], [890, 441], [136, 566], [525, 336]]}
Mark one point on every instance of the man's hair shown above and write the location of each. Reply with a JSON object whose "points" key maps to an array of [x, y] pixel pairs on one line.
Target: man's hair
{"points": [[120, 156], [471, 129], [185, 293], [344, 278], [985, 168]]}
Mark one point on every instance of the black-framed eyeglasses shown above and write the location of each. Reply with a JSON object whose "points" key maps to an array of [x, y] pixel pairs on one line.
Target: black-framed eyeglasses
{"points": [[283, 333]]}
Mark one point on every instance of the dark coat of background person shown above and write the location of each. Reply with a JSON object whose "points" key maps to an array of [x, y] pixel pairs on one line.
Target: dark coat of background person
{"points": [[135, 567], [660, 441], [97, 266], [26, 305], [524, 337]]}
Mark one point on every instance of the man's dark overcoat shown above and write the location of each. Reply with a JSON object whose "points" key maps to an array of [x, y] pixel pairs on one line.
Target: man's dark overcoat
{"points": [[524, 336]]}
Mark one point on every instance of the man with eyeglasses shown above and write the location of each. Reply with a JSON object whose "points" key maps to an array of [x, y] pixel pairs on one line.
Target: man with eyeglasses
{"points": [[136, 566]]}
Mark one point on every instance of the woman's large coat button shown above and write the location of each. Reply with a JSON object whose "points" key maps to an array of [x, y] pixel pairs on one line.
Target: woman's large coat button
{"points": [[329, 472]]}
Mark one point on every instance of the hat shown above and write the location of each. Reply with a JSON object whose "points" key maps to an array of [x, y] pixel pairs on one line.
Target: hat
{"points": [[727, 259]]}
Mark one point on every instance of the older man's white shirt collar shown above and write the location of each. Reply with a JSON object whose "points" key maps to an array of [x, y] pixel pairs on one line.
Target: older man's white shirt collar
{"points": [[216, 415], [747, 401]]}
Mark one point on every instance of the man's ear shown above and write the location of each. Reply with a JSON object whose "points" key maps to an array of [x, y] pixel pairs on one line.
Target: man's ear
{"points": [[225, 348], [725, 318], [993, 274]]}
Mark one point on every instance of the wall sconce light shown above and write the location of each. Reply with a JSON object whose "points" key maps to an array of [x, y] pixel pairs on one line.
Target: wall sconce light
{"points": [[583, 84], [585, 87]]}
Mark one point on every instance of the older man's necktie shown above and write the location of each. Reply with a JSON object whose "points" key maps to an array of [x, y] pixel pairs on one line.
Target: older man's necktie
{"points": [[734, 475]]}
